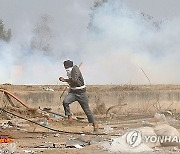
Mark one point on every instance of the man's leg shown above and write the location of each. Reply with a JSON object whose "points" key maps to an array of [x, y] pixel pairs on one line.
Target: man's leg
{"points": [[67, 101], [83, 101]]}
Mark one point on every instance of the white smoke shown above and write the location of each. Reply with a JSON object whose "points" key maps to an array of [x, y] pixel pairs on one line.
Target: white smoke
{"points": [[113, 50], [124, 42], [20, 66]]}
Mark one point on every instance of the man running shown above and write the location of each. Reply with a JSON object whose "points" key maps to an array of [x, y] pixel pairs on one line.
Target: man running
{"points": [[77, 92]]}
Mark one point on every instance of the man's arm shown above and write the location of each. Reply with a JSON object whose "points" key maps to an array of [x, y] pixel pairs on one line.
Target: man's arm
{"points": [[64, 80], [75, 74]]}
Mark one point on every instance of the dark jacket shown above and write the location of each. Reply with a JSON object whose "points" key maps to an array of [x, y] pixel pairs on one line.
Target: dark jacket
{"points": [[76, 80]]}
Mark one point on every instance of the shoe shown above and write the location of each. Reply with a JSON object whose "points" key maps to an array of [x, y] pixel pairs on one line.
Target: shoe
{"points": [[70, 118], [95, 127]]}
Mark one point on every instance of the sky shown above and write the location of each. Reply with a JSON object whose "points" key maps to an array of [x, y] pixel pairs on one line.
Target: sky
{"points": [[72, 40], [17, 14], [157, 8], [15, 11]]}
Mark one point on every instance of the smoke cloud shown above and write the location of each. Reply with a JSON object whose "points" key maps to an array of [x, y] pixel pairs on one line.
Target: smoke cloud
{"points": [[113, 45]]}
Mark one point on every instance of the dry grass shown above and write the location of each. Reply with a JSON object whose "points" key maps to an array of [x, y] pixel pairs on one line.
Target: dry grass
{"points": [[100, 109]]}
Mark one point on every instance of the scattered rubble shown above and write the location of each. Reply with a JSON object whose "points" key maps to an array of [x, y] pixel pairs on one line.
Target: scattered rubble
{"points": [[20, 131], [49, 89], [107, 129], [169, 131], [160, 117], [8, 148], [157, 131], [29, 151], [71, 142]]}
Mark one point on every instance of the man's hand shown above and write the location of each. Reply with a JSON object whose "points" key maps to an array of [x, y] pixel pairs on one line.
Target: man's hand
{"points": [[62, 79]]}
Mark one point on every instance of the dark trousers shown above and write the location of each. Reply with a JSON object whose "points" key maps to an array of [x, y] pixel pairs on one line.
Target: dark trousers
{"points": [[83, 101]]}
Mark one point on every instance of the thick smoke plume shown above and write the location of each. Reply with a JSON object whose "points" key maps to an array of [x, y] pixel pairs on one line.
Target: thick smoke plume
{"points": [[113, 46]]}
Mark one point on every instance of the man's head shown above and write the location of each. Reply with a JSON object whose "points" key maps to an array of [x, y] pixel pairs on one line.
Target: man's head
{"points": [[68, 64]]}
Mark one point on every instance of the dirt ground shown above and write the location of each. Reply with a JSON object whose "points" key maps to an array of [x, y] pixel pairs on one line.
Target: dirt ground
{"points": [[39, 140], [32, 138]]}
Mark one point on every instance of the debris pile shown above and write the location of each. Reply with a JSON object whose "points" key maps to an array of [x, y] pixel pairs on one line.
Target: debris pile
{"points": [[119, 145], [146, 139], [8, 148]]}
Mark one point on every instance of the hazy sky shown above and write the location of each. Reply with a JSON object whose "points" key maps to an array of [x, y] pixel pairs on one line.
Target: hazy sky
{"points": [[15, 12], [157, 8]]}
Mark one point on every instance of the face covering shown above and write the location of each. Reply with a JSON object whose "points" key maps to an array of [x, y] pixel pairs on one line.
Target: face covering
{"points": [[68, 70]]}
